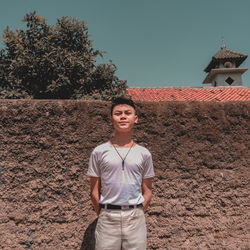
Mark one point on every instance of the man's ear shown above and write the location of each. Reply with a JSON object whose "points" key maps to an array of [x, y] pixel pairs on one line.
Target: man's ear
{"points": [[136, 119], [111, 120]]}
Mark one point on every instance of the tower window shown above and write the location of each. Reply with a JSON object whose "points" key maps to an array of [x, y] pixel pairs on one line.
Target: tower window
{"points": [[229, 80], [228, 65]]}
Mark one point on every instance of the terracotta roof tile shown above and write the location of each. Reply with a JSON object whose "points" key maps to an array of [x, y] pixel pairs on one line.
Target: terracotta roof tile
{"points": [[226, 53], [189, 93], [223, 55]]}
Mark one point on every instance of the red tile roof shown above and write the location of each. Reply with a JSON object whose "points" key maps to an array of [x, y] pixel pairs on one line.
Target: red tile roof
{"points": [[220, 94]]}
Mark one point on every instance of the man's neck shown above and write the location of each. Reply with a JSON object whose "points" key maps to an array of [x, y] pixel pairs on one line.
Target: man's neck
{"points": [[123, 140]]}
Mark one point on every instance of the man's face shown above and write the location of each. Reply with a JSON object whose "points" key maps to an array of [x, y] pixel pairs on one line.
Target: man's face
{"points": [[123, 118]]}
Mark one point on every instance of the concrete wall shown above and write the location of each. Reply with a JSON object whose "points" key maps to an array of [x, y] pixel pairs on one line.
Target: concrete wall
{"points": [[201, 157], [220, 79]]}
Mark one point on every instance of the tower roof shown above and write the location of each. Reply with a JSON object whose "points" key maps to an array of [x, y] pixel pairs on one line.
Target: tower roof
{"points": [[224, 55]]}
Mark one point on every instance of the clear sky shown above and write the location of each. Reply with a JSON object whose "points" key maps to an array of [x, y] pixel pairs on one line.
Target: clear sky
{"points": [[152, 42]]}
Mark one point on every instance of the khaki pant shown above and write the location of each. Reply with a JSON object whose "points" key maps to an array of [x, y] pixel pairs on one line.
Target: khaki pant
{"points": [[121, 229]]}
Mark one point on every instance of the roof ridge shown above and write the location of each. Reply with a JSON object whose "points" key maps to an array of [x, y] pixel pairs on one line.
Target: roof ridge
{"points": [[235, 52], [225, 51]]}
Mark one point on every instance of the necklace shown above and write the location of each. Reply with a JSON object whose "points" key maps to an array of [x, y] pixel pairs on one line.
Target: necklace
{"points": [[123, 159]]}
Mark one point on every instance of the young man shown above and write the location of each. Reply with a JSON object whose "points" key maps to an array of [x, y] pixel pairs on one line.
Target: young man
{"points": [[121, 173]]}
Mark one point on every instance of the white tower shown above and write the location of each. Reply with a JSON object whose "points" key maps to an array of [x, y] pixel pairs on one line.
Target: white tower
{"points": [[223, 68]]}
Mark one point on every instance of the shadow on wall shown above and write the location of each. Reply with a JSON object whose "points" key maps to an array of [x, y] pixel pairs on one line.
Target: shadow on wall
{"points": [[88, 242]]}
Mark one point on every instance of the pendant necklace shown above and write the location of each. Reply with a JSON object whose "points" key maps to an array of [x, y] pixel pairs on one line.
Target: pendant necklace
{"points": [[123, 159]]}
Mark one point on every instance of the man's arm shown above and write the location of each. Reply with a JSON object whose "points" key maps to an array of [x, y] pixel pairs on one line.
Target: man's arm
{"points": [[146, 192], [95, 189]]}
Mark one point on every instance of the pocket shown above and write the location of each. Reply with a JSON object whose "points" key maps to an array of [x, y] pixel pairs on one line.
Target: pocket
{"points": [[101, 220], [136, 213], [141, 210], [102, 213]]}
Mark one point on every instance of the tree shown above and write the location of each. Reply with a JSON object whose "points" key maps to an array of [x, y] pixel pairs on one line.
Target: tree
{"points": [[55, 62]]}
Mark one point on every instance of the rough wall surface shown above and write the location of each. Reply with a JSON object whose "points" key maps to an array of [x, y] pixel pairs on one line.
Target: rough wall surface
{"points": [[201, 157]]}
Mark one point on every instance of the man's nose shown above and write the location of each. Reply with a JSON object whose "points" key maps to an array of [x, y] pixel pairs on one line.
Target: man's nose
{"points": [[123, 116]]}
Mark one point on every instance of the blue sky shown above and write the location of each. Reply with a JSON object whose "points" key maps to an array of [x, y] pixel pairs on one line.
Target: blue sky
{"points": [[152, 42]]}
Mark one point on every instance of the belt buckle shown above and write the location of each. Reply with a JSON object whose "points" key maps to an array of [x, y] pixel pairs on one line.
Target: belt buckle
{"points": [[124, 207]]}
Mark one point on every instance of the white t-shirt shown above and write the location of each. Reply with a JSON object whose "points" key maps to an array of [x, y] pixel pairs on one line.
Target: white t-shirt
{"points": [[120, 186]]}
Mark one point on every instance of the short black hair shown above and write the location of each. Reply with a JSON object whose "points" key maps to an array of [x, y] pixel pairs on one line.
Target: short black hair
{"points": [[121, 100]]}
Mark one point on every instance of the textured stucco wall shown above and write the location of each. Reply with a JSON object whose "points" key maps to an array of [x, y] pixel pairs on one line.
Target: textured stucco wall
{"points": [[201, 157]]}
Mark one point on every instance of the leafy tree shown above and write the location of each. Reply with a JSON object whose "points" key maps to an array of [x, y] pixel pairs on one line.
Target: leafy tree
{"points": [[55, 62]]}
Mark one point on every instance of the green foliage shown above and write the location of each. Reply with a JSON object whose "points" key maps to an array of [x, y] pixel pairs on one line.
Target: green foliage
{"points": [[55, 62]]}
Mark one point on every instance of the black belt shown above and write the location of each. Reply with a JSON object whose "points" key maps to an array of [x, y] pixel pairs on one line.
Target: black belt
{"points": [[110, 206]]}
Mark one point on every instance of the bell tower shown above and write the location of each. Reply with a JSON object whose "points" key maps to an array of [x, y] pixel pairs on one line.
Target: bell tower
{"points": [[223, 69]]}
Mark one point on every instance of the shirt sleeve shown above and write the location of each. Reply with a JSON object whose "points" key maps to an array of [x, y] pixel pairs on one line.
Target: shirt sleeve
{"points": [[148, 169], [94, 168]]}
